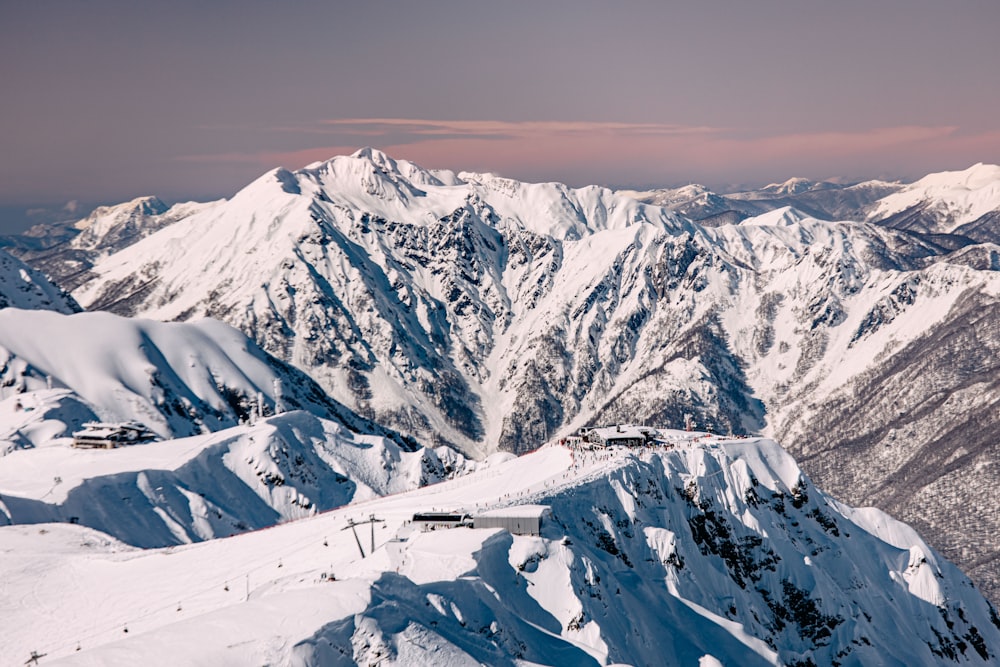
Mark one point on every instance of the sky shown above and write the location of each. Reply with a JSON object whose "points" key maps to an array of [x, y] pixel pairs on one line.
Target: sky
{"points": [[107, 100]]}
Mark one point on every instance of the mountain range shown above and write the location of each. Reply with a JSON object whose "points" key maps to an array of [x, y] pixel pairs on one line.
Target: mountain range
{"points": [[488, 314], [384, 305]]}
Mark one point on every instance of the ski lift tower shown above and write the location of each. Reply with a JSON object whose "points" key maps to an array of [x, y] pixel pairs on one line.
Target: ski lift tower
{"points": [[352, 524]]}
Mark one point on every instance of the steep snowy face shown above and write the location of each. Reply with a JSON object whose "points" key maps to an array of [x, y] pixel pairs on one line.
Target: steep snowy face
{"points": [[199, 488], [24, 287], [695, 551], [950, 202], [59, 371]]}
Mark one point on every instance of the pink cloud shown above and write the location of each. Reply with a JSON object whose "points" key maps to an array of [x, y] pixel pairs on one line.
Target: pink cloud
{"points": [[612, 152]]}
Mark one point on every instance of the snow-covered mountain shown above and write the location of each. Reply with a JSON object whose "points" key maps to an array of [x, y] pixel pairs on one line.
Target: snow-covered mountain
{"points": [[474, 301], [207, 486], [829, 201], [68, 250], [824, 200], [107, 226], [487, 313], [694, 552], [950, 202], [58, 371], [698, 203], [24, 287]]}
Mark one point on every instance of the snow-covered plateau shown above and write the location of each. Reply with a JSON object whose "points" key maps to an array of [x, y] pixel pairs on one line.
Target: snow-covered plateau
{"points": [[696, 550]]}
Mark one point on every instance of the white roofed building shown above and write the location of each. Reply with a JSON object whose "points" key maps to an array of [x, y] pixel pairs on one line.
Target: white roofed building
{"points": [[96, 435], [622, 435]]}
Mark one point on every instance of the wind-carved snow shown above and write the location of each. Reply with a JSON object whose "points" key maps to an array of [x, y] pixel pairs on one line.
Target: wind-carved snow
{"points": [[721, 550], [59, 371]]}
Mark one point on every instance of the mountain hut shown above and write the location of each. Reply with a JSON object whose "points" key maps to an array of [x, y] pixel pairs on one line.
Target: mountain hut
{"points": [[97, 435]]}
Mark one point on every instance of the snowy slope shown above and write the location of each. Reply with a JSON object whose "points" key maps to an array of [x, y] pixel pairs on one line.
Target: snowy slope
{"points": [[710, 552], [943, 202], [177, 379], [24, 287], [207, 486]]}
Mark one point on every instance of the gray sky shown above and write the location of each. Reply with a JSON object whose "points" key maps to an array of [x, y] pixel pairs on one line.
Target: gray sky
{"points": [[106, 100]]}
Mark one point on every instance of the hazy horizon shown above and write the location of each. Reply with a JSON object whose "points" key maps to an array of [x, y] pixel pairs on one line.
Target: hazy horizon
{"points": [[109, 100]]}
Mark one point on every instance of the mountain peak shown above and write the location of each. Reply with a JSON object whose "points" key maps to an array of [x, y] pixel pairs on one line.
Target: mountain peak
{"points": [[977, 176], [140, 206], [786, 216], [792, 186], [944, 201], [373, 155]]}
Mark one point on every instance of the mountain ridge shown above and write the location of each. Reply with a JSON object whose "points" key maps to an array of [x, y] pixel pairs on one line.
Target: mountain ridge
{"points": [[723, 549]]}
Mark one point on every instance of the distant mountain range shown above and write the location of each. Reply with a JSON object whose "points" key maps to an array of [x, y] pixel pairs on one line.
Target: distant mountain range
{"points": [[962, 203], [857, 324]]}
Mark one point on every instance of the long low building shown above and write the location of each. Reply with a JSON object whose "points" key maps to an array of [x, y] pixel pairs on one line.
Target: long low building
{"points": [[517, 520], [622, 435]]}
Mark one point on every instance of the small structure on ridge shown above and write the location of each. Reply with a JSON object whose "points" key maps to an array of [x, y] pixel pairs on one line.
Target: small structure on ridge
{"points": [[516, 520], [97, 435], [622, 435]]}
